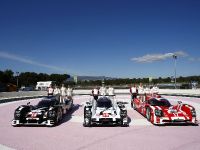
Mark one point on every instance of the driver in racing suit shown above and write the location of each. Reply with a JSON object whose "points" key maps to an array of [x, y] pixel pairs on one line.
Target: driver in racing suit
{"points": [[133, 91], [56, 92], [141, 92], [50, 91], [63, 92], [95, 93]]}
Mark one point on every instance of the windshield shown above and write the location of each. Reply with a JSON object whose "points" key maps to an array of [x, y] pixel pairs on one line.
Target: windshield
{"points": [[104, 102], [161, 102], [45, 103]]}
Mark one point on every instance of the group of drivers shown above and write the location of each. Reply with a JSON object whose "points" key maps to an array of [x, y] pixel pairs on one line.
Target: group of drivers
{"points": [[66, 93], [141, 91], [60, 93], [102, 91]]}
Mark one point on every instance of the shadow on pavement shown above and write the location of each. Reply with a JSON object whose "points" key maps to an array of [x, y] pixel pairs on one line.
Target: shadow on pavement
{"points": [[69, 114]]}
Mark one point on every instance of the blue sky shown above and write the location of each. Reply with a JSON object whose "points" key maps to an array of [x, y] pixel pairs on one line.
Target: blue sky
{"points": [[101, 37]]}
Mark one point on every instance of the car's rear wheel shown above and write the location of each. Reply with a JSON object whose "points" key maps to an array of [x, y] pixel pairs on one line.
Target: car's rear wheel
{"points": [[148, 114]]}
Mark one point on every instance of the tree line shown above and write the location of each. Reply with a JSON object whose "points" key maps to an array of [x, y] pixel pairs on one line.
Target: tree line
{"points": [[128, 81], [31, 79]]}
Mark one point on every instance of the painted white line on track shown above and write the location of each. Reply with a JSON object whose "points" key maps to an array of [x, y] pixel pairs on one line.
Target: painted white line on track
{"points": [[3, 147]]}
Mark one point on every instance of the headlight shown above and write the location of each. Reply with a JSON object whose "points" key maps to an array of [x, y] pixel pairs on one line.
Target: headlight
{"points": [[193, 112], [123, 113], [88, 113], [158, 113], [17, 114], [52, 114]]}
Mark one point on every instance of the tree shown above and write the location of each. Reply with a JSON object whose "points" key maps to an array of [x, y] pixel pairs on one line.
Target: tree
{"points": [[28, 78], [6, 76]]}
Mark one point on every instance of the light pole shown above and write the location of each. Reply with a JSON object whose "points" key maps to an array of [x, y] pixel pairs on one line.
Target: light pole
{"points": [[17, 73], [175, 58]]}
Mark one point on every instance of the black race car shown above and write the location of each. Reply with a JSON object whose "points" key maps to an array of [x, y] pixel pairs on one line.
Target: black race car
{"points": [[47, 112]]}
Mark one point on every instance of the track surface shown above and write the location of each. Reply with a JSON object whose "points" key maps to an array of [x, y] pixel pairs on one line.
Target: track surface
{"points": [[71, 135]]}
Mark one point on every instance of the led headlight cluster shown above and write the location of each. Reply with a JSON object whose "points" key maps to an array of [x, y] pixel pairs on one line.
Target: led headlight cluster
{"points": [[123, 113], [158, 113], [88, 113], [193, 112], [52, 114], [17, 114]]}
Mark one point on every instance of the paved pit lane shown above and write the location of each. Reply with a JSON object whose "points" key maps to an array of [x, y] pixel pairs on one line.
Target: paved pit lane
{"points": [[71, 135]]}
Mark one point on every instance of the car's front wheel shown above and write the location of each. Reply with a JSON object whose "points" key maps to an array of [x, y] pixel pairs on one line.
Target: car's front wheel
{"points": [[123, 123], [87, 122], [134, 107], [148, 114], [58, 117]]}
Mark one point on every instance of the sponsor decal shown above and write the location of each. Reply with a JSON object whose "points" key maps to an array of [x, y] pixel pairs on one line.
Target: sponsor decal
{"points": [[33, 115]]}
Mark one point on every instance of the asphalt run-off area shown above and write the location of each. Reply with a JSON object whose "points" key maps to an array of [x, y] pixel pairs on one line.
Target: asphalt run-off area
{"points": [[71, 135]]}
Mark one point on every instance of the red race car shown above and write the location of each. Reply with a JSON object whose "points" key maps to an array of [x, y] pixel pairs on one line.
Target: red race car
{"points": [[159, 111]]}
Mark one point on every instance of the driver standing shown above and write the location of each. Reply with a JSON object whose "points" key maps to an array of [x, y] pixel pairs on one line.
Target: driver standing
{"points": [[56, 92], [111, 91], [50, 90], [95, 93], [63, 92], [69, 92], [133, 91], [103, 90], [141, 92]]}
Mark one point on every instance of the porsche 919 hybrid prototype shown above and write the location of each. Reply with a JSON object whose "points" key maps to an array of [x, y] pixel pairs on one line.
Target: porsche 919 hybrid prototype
{"points": [[159, 111], [105, 111], [47, 112]]}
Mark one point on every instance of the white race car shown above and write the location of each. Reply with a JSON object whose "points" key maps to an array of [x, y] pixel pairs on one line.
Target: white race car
{"points": [[105, 110]]}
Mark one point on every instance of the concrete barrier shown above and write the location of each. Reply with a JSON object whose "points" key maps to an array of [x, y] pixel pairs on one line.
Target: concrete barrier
{"points": [[12, 96]]}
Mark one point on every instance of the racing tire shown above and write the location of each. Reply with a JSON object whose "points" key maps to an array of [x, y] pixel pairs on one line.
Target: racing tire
{"points": [[131, 104], [61, 115], [56, 120], [72, 105], [87, 124], [58, 116], [17, 125], [134, 107], [124, 125], [148, 114]]}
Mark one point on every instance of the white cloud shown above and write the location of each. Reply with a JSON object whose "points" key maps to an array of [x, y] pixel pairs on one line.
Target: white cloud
{"points": [[157, 57], [28, 61], [194, 59]]}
